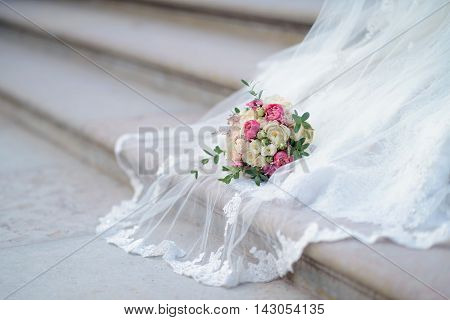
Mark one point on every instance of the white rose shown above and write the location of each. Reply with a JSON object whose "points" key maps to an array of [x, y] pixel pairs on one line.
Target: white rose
{"points": [[255, 147], [276, 133], [278, 99], [262, 122], [250, 158], [239, 145], [260, 161], [268, 151], [250, 114]]}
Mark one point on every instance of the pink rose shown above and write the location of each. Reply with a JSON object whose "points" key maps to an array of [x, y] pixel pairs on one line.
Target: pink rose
{"points": [[251, 128], [237, 164], [255, 104], [274, 112], [269, 169], [281, 158]]}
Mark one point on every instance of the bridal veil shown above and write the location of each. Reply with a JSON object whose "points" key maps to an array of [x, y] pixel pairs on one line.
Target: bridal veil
{"points": [[375, 77]]}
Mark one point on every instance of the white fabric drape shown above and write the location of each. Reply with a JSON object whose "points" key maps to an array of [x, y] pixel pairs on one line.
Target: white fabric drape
{"points": [[380, 168]]}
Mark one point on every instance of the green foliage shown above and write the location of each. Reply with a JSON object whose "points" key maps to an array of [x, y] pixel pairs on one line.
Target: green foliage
{"points": [[195, 173], [215, 157], [256, 175], [301, 121], [245, 83], [226, 179], [305, 116], [234, 173], [218, 150], [208, 153], [252, 91], [298, 149], [260, 94]]}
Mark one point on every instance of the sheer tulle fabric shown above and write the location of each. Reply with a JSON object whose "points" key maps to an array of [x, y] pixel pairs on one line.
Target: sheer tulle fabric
{"points": [[380, 168]]}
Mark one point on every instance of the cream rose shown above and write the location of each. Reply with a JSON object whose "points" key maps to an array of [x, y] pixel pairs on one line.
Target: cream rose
{"points": [[279, 100], [268, 151], [262, 122], [250, 158], [308, 134], [276, 133], [255, 147], [260, 161], [248, 115], [239, 145]]}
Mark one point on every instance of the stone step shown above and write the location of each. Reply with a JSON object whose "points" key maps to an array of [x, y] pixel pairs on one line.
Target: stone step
{"points": [[279, 13], [77, 105], [202, 49], [84, 113], [50, 205]]}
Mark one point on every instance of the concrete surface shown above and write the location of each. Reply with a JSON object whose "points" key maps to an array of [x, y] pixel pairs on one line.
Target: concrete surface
{"points": [[102, 271], [47, 195]]}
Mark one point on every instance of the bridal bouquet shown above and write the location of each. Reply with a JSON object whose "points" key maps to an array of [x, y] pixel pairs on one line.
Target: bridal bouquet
{"points": [[263, 135]]}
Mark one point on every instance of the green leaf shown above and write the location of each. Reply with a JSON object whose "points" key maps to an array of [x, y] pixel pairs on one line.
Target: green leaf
{"points": [[305, 116], [218, 150], [236, 175], [297, 127], [237, 110], [305, 154], [207, 152], [302, 141], [249, 172], [225, 168], [306, 125], [305, 146], [216, 159], [264, 177], [253, 93], [296, 154], [258, 180], [296, 118], [245, 82], [195, 173], [226, 179], [205, 161], [260, 94], [252, 172]]}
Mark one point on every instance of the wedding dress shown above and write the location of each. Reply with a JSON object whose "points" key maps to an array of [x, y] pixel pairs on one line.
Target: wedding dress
{"points": [[375, 77]]}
